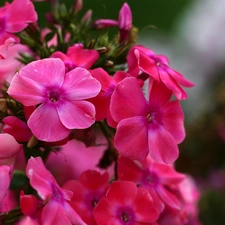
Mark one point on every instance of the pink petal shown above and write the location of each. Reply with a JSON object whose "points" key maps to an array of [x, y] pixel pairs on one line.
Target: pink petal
{"points": [[79, 84], [122, 193], [53, 213], [125, 18], [179, 78], [76, 114], [169, 197], [147, 65], [172, 118], [146, 214], [19, 13], [131, 138], [128, 100], [129, 170], [162, 146], [172, 84], [40, 177], [5, 177], [8, 147], [82, 57], [159, 94], [45, 124]]}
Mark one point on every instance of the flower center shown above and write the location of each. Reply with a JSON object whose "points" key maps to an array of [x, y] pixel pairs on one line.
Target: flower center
{"points": [[149, 117], [125, 217], [54, 96]]}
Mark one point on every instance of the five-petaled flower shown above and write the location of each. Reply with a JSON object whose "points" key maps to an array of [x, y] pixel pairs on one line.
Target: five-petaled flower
{"points": [[60, 97]]}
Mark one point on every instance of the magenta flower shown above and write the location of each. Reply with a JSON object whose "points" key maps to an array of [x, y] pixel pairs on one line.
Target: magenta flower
{"points": [[57, 209], [154, 127], [124, 203], [161, 181], [87, 191], [77, 56], [15, 17], [61, 98], [145, 60]]}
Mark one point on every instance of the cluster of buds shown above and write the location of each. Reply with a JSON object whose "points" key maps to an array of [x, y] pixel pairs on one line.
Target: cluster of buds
{"points": [[81, 141]]}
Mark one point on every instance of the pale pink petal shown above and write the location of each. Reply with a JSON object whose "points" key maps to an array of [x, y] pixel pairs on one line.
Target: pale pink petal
{"points": [[82, 57], [162, 146], [79, 84], [105, 23], [76, 114], [131, 138], [128, 100], [46, 125], [172, 118]]}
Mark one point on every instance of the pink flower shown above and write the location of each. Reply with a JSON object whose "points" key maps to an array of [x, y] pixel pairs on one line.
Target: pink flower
{"points": [[162, 181], [154, 127], [57, 209], [87, 191], [77, 56], [8, 149], [145, 60], [124, 203], [61, 98], [15, 17]]}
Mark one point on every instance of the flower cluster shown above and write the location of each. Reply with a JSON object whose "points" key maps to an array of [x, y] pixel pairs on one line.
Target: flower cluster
{"points": [[90, 124]]}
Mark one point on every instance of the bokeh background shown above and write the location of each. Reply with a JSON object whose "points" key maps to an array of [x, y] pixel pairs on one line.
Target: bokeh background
{"points": [[192, 34]]}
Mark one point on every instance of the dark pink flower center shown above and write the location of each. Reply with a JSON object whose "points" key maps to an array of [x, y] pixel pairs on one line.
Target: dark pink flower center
{"points": [[149, 118], [2, 24], [125, 217], [56, 193], [54, 96], [151, 178]]}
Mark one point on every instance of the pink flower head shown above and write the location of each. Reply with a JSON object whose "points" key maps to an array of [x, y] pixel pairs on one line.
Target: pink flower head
{"points": [[154, 126], [15, 17], [77, 56], [61, 98], [145, 60], [124, 203], [57, 210], [8, 149], [87, 191], [162, 181]]}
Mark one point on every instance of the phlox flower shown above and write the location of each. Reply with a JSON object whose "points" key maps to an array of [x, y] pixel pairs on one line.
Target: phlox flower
{"points": [[77, 56], [15, 17], [145, 60], [125, 203], [61, 98], [87, 191], [154, 126], [57, 210], [161, 181]]}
